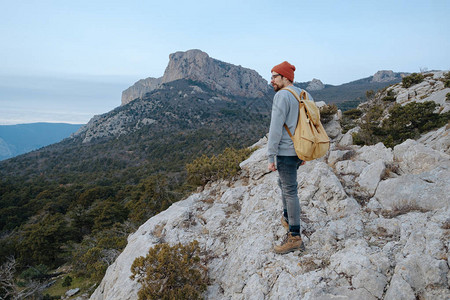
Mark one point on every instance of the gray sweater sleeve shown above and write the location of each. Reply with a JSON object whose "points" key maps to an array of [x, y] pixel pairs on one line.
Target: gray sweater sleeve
{"points": [[280, 109]]}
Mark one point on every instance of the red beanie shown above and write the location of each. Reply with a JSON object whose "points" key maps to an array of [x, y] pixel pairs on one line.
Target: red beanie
{"points": [[285, 69]]}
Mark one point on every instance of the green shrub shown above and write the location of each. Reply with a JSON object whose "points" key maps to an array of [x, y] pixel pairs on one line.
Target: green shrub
{"points": [[225, 165], [370, 127], [170, 272], [447, 80], [411, 120], [327, 112], [34, 273], [91, 258], [67, 281], [390, 96], [349, 117], [404, 122], [370, 94], [412, 79], [42, 241], [353, 113], [151, 196]]}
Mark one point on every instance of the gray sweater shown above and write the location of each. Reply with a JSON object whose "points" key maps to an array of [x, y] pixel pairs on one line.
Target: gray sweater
{"points": [[284, 110]]}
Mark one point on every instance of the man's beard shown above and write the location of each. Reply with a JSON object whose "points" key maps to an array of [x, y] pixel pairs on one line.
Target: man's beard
{"points": [[276, 88]]}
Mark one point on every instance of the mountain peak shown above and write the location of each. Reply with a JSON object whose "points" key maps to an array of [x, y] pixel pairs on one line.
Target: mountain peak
{"points": [[385, 76], [315, 85], [198, 66]]}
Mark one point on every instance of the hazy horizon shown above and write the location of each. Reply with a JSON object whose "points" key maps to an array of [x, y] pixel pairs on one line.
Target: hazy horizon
{"points": [[78, 57]]}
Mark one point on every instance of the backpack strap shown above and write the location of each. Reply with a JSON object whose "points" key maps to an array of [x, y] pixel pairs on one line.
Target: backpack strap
{"points": [[303, 96], [287, 129]]}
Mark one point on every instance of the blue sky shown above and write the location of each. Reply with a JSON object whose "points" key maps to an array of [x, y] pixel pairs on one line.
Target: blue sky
{"points": [[68, 60]]}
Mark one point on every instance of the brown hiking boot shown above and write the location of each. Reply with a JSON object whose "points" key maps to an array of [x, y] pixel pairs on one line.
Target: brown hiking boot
{"points": [[284, 222], [289, 244]]}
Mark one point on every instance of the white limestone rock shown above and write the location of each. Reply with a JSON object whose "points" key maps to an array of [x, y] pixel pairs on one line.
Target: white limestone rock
{"points": [[414, 158], [315, 85], [425, 191], [256, 165], [347, 138], [430, 89], [421, 271], [353, 252], [370, 154], [354, 261], [139, 89], [385, 76], [333, 128], [370, 177], [384, 227], [399, 289], [350, 167], [72, 292], [438, 140], [335, 156]]}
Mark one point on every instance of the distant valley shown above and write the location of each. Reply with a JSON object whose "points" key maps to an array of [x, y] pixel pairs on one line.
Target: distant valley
{"points": [[23, 138]]}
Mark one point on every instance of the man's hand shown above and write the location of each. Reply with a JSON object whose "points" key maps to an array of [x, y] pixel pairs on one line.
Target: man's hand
{"points": [[272, 167]]}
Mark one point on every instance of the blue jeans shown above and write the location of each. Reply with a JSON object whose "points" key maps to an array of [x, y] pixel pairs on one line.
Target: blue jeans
{"points": [[287, 180]]}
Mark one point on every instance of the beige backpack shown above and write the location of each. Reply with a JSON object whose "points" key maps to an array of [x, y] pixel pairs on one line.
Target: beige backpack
{"points": [[310, 139]]}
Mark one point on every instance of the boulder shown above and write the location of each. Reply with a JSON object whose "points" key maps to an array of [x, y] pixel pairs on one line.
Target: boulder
{"points": [[347, 138], [338, 155], [438, 140], [256, 164], [399, 289], [72, 292], [333, 128], [370, 154], [350, 167], [370, 177], [414, 158], [425, 191]]}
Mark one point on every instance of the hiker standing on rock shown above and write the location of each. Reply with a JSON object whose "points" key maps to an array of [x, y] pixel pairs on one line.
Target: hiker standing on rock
{"points": [[285, 110]]}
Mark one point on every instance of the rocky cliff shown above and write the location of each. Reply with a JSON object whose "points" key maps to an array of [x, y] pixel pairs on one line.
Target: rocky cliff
{"points": [[315, 85], [198, 66], [180, 105], [386, 76], [375, 222], [432, 88]]}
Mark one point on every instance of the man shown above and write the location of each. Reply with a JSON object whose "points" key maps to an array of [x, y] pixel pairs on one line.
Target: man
{"points": [[285, 110]]}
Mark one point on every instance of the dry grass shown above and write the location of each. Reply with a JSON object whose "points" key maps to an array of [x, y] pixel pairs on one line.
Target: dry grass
{"points": [[209, 200], [390, 169], [158, 230], [309, 263], [232, 208], [402, 208], [446, 224]]}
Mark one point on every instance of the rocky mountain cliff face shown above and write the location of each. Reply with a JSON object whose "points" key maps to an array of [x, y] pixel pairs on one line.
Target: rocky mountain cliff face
{"points": [[432, 88], [198, 66], [349, 95], [387, 76], [315, 85], [375, 222], [176, 106]]}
